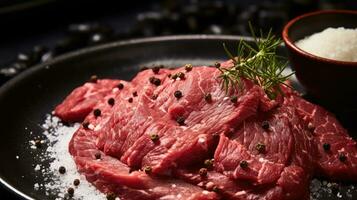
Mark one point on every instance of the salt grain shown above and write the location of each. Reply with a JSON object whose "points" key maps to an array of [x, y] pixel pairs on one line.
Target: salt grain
{"points": [[58, 137], [37, 167], [333, 43], [36, 186]]}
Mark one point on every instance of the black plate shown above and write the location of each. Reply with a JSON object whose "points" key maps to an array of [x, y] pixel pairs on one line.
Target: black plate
{"points": [[25, 100]]}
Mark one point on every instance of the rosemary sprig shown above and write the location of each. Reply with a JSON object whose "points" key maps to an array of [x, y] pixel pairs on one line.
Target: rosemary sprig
{"points": [[258, 63]]}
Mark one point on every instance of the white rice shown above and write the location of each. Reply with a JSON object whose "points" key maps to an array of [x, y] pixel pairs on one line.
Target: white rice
{"points": [[333, 43]]}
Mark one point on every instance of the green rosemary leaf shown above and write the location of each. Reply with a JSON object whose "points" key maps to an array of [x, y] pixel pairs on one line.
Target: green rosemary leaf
{"points": [[258, 63]]}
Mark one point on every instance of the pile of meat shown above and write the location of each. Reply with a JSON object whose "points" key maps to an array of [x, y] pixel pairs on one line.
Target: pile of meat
{"points": [[175, 134]]}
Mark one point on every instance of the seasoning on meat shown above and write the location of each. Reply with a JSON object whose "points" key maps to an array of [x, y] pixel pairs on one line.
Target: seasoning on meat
{"points": [[265, 125], [111, 101], [154, 137], [97, 155], [180, 120], [243, 164], [85, 125], [120, 86], [156, 69], [188, 67], [203, 172], [326, 146], [260, 147], [342, 157], [97, 112], [178, 94], [217, 64], [234, 99], [154, 81], [234, 139], [208, 97]]}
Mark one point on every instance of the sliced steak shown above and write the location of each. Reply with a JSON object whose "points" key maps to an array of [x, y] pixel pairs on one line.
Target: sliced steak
{"points": [[167, 122], [263, 141], [328, 131], [136, 122], [290, 186], [81, 101], [110, 175]]}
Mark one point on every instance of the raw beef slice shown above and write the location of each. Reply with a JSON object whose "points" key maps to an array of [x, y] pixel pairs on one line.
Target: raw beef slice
{"points": [[175, 134]]}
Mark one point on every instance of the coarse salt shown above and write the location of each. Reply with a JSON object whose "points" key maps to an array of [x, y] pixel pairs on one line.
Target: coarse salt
{"points": [[55, 184], [333, 43]]}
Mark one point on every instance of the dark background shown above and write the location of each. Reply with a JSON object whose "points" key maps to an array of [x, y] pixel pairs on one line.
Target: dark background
{"points": [[33, 31]]}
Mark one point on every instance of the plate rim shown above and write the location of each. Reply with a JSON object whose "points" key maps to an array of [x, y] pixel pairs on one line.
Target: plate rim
{"points": [[7, 86]]}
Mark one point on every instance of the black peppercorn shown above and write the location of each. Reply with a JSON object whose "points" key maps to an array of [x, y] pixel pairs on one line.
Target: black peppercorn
{"points": [[188, 67], [234, 99], [38, 143], [62, 170], [265, 125], [94, 79], [130, 100], [243, 164], [154, 97], [70, 191], [97, 155], [208, 163], [180, 120], [76, 182], [147, 169], [135, 94], [111, 196], [85, 125], [97, 112], [155, 81], [208, 98], [154, 137], [342, 157], [217, 64], [181, 75], [174, 76], [178, 94], [120, 86], [260, 147], [326, 146], [111, 101], [203, 172], [156, 69]]}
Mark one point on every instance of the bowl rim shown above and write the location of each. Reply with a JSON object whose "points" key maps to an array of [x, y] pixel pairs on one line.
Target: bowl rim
{"points": [[289, 43]]}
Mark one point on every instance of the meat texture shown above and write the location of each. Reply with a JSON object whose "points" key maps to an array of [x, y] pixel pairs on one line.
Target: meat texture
{"points": [[175, 134]]}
